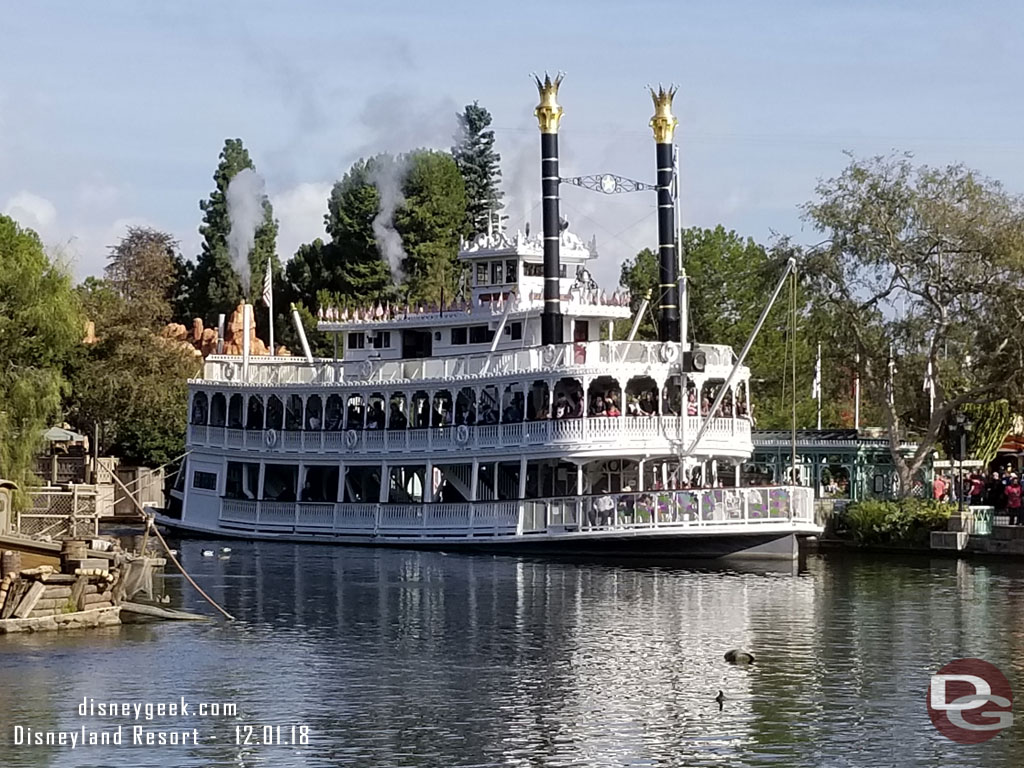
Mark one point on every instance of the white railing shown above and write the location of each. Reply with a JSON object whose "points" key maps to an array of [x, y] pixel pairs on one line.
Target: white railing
{"points": [[588, 354], [719, 508], [722, 435]]}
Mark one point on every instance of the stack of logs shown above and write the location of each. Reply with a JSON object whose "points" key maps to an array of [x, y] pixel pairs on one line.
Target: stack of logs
{"points": [[83, 585]]}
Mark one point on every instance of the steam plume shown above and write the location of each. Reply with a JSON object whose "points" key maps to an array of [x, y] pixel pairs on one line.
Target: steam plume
{"points": [[245, 196], [387, 175]]}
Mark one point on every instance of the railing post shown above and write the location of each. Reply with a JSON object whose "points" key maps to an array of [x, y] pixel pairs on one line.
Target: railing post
{"points": [[472, 516], [376, 519]]}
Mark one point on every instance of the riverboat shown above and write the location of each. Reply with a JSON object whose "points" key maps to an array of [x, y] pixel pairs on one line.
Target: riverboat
{"points": [[506, 420]]}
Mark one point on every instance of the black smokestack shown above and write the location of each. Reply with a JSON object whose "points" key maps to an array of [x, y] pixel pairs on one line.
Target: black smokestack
{"points": [[664, 124], [549, 113]]}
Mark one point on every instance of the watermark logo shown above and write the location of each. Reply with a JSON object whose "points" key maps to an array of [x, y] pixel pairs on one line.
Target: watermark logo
{"points": [[969, 701]]}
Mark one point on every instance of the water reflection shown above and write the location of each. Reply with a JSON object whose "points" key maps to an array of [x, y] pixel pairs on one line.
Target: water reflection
{"points": [[397, 658]]}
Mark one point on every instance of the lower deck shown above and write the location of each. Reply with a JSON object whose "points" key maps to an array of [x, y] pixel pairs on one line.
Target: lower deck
{"points": [[714, 521]]}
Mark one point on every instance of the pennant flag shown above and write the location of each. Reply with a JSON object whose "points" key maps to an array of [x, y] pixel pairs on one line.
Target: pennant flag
{"points": [[816, 386]]}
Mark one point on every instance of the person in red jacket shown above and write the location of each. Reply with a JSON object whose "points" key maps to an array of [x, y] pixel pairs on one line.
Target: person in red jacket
{"points": [[1013, 501]]}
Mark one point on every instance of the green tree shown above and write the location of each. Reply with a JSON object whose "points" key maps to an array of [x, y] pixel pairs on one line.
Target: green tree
{"points": [[351, 263], [216, 285], [480, 167], [430, 223], [132, 383], [729, 280], [40, 324], [922, 271], [144, 268]]}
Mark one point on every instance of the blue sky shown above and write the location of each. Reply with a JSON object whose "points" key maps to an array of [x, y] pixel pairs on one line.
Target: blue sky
{"points": [[114, 113]]}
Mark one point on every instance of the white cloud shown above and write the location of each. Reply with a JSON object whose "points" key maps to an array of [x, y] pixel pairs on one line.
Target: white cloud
{"points": [[299, 211], [33, 211]]}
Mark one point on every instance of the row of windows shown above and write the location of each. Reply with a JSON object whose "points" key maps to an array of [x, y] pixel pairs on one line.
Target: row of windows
{"points": [[481, 334], [537, 270], [378, 340]]}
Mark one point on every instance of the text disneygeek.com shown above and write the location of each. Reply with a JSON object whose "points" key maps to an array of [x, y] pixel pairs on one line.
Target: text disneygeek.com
{"points": [[143, 732]]}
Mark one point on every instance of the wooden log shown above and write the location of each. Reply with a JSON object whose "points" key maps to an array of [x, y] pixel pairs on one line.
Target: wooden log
{"points": [[17, 592], [10, 562], [56, 592], [98, 598], [101, 604], [78, 591], [59, 578], [160, 613], [45, 603], [29, 601]]}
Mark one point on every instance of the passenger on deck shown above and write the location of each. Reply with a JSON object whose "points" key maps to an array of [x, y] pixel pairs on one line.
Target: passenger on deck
{"points": [[610, 407], [375, 419], [562, 408], [597, 406], [397, 419]]}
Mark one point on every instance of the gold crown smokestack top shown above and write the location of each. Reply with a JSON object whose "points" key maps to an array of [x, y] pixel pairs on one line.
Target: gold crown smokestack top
{"points": [[549, 114], [664, 124]]}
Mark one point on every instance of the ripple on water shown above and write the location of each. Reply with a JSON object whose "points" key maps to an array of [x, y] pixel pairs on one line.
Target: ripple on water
{"points": [[412, 659]]}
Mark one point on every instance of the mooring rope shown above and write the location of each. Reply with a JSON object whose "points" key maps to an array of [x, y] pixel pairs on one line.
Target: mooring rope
{"points": [[150, 526]]}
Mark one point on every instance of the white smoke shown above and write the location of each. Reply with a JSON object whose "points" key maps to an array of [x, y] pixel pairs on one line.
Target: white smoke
{"points": [[245, 195], [387, 174]]}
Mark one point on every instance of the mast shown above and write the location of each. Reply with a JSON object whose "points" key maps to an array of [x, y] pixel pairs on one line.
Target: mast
{"points": [[549, 114], [664, 124]]}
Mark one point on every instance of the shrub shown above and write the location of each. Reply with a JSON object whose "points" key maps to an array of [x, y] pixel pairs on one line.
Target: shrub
{"points": [[906, 521]]}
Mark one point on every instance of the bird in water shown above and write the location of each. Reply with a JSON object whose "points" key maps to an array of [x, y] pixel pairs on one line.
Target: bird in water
{"points": [[207, 553], [225, 550], [739, 657], [720, 698]]}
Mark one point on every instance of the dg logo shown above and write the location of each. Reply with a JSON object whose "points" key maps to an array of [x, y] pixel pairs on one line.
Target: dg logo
{"points": [[970, 701]]}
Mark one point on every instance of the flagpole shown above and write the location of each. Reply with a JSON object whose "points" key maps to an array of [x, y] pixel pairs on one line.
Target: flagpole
{"points": [[268, 299], [817, 383], [856, 393]]}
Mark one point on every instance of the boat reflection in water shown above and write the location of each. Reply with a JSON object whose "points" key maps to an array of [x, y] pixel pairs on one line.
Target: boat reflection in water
{"points": [[406, 658]]}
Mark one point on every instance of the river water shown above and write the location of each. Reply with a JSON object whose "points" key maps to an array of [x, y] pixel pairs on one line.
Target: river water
{"points": [[402, 658]]}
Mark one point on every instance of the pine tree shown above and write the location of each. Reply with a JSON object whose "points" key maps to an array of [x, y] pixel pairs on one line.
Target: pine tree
{"points": [[351, 264], [480, 167], [430, 223], [216, 287]]}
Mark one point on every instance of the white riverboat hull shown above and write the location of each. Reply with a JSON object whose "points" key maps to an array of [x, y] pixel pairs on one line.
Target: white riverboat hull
{"points": [[722, 522]]}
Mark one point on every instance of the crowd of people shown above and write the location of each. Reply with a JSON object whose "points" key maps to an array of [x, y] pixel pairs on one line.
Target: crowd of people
{"points": [[1000, 489]]}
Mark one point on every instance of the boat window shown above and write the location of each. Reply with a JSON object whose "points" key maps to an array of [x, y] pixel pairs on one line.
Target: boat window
{"points": [[357, 340], [510, 271], [280, 481], [489, 409], [420, 412], [293, 413], [533, 269], [376, 417], [441, 415], [314, 413], [537, 402], [218, 410], [320, 484], [199, 408], [568, 399], [397, 418], [242, 480], [362, 484], [604, 397], [254, 419], [497, 272], [355, 412], [641, 396], [516, 331], [333, 414], [480, 334], [205, 481], [235, 406], [275, 412], [465, 407], [460, 335], [511, 405], [406, 484], [382, 340], [481, 273]]}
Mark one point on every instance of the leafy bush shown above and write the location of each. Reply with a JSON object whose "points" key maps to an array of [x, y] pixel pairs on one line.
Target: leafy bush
{"points": [[906, 521]]}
